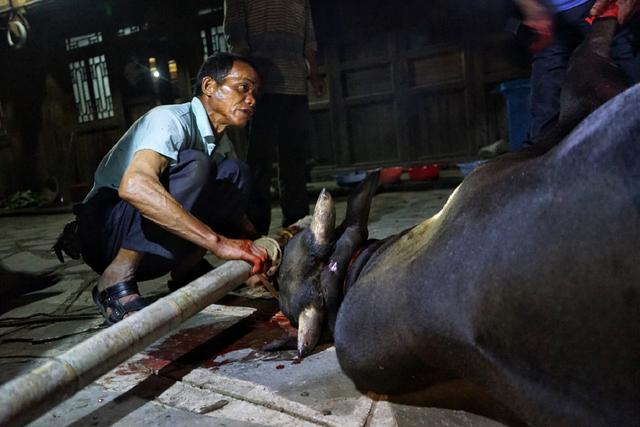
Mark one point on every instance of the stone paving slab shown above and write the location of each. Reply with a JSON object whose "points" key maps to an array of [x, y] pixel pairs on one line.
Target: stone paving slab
{"points": [[97, 407], [316, 382], [30, 263]]}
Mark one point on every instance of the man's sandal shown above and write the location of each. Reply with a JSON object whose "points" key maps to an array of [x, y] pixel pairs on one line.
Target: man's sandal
{"points": [[110, 299]]}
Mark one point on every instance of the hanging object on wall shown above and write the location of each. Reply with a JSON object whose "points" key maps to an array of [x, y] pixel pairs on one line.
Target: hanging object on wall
{"points": [[16, 34], [17, 27]]}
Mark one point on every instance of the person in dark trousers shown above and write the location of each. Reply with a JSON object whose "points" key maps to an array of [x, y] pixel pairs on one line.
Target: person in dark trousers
{"points": [[279, 37], [163, 196], [561, 26]]}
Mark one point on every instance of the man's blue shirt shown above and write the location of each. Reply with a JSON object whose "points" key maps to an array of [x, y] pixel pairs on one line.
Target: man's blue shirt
{"points": [[167, 130], [562, 5]]}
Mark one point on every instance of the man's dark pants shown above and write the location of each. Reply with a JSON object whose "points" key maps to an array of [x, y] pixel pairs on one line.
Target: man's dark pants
{"points": [[214, 192], [550, 66], [280, 126]]}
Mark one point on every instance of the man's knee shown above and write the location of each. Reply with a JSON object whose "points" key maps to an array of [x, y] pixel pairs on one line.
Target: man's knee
{"points": [[191, 173], [235, 171]]}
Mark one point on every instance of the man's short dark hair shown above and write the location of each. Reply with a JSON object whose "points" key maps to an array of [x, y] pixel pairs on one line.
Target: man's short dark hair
{"points": [[217, 66]]}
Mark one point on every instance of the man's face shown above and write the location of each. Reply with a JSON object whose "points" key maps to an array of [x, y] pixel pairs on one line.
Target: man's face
{"points": [[231, 102]]}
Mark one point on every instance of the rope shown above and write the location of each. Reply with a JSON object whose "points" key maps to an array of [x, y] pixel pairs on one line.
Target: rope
{"points": [[275, 255]]}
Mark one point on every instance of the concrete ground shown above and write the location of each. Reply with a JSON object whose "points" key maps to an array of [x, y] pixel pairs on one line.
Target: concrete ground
{"points": [[212, 370]]}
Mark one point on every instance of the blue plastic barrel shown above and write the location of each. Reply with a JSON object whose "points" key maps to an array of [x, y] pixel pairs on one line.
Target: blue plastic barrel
{"points": [[516, 93]]}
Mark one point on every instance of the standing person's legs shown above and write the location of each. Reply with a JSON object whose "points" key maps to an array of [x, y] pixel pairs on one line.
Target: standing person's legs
{"points": [[293, 147], [625, 50], [547, 75], [263, 141], [549, 67], [548, 71]]}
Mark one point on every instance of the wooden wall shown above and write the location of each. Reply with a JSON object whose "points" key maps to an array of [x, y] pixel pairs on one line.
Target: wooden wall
{"points": [[38, 111], [407, 86]]}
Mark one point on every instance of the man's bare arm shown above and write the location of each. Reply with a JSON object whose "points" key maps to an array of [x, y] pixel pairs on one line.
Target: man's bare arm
{"points": [[141, 187], [536, 16], [627, 8]]}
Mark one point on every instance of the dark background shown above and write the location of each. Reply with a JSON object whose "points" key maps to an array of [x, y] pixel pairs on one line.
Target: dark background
{"points": [[408, 83]]}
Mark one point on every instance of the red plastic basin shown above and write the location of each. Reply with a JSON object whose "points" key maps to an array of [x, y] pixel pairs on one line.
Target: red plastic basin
{"points": [[390, 175], [424, 172]]}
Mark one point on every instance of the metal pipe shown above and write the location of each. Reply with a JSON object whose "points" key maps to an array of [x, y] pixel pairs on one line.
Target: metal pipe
{"points": [[25, 398]]}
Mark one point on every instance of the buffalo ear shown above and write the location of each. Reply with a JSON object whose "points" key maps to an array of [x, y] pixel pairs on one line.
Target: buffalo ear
{"points": [[323, 221], [352, 233], [359, 201]]}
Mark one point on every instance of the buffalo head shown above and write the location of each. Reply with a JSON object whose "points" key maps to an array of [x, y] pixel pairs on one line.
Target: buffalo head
{"points": [[315, 262]]}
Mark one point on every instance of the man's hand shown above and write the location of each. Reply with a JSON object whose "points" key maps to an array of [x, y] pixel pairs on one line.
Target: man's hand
{"points": [[317, 83], [627, 8], [316, 80], [543, 30], [245, 250], [536, 16]]}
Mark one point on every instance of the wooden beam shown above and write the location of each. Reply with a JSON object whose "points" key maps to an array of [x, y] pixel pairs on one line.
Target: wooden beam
{"points": [[5, 5]]}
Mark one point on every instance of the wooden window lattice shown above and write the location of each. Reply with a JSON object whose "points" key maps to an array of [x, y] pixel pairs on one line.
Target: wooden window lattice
{"points": [[101, 87], [213, 41], [93, 97], [83, 41], [81, 91], [90, 81]]}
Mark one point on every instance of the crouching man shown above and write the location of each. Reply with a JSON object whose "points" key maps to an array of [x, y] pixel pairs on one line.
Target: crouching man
{"points": [[162, 196]]}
